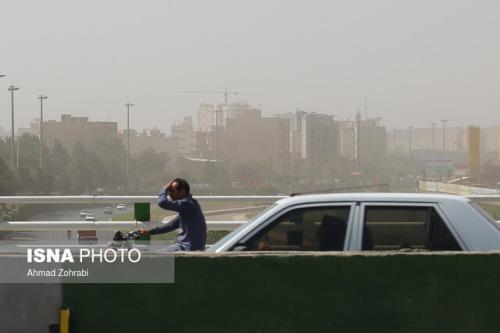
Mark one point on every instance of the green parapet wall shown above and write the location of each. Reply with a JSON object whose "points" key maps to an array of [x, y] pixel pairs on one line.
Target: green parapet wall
{"points": [[300, 293]]}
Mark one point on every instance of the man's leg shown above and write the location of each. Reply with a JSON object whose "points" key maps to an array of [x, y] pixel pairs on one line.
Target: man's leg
{"points": [[172, 248]]}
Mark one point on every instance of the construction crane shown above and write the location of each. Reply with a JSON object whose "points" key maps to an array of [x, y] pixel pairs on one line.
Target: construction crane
{"points": [[225, 93]]}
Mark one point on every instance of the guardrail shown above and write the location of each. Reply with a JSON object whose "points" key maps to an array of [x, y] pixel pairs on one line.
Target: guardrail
{"points": [[104, 199], [100, 225], [113, 225]]}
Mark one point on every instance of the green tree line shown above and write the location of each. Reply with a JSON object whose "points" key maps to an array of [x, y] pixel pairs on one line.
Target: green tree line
{"points": [[82, 170]]}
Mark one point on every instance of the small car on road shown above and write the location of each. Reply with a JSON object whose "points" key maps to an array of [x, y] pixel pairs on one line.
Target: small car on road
{"points": [[90, 217], [403, 222], [84, 213]]}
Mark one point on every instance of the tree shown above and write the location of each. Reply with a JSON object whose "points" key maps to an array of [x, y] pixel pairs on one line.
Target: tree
{"points": [[8, 183], [113, 154], [148, 168], [81, 175], [57, 165]]}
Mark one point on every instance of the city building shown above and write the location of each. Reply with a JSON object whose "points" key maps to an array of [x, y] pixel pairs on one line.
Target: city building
{"points": [[371, 143], [318, 138], [294, 133], [252, 138], [490, 140], [152, 139], [431, 139], [346, 132], [33, 130], [183, 134], [208, 137], [206, 117], [474, 151], [71, 130], [209, 114], [204, 144]]}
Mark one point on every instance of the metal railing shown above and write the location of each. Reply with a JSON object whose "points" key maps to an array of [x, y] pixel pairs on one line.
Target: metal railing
{"points": [[100, 225], [113, 225], [106, 199]]}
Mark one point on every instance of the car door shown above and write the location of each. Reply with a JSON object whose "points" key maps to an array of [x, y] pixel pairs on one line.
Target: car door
{"points": [[403, 226], [306, 227]]}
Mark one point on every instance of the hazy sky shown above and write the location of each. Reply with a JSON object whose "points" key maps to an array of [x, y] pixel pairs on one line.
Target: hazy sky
{"points": [[416, 61]]}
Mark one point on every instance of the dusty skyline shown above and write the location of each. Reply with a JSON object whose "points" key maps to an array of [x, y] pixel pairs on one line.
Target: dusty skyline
{"points": [[417, 62]]}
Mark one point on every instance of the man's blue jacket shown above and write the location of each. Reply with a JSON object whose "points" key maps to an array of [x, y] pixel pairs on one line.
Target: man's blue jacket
{"points": [[193, 236]]}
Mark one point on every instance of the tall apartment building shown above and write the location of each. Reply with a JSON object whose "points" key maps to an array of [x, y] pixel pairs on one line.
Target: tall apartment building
{"points": [[294, 133], [319, 143], [208, 137], [71, 130], [208, 114], [346, 133], [371, 143], [206, 117], [250, 138], [183, 134]]}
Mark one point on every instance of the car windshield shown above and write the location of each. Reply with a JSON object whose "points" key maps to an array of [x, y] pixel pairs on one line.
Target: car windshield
{"points": [[224, 239]]}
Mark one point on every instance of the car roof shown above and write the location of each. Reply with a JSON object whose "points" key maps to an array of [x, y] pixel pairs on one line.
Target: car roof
{"points": [[377, 197]]}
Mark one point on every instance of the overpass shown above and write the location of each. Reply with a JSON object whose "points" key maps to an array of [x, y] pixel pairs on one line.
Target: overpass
{"points": [[279, 292]]}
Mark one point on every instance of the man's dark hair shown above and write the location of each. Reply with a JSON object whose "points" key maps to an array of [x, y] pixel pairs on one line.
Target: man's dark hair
{"points": [[182, 184]]}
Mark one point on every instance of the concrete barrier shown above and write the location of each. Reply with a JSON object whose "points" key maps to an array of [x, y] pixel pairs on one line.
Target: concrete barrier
{"points": [[301, 293], [28, 308]]}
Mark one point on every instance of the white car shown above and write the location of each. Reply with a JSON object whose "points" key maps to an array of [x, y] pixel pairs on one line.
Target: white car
{"points": [[121, 206], [90, 217], [84, 213], [407, 222]]}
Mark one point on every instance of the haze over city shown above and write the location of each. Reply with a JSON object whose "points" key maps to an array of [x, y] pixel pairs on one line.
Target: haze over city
{"points": [[415, 62]]}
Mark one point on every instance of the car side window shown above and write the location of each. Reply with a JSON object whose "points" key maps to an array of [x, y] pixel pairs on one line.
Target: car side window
{"points": [[389, 228], [304, 229]]}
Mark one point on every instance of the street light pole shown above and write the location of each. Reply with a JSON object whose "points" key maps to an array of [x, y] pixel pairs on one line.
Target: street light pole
{"points": [[128, 105], [433, 137], [444, 133], [41, 98], [409, 139], [12, 142], [378, 142]]}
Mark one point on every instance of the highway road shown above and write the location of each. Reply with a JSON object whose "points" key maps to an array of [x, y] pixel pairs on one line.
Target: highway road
{"points": [[70, 214], [73, 214]]}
